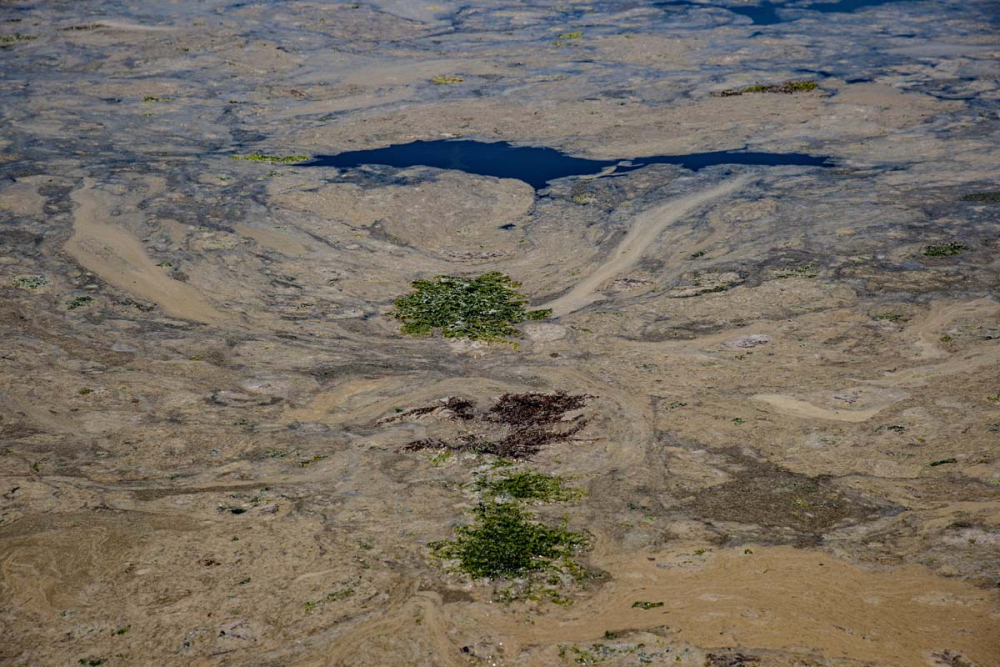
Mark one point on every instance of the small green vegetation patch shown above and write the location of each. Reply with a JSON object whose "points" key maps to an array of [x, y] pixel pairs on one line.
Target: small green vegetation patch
{"points": [[329, 597], [943, 462], [983, 197], [527, 485], [800, 271], [646, 605], [271, 159], [79, 302], [9, 40], [487, 307], [30, 282], [788, 87], [506, 542], [945, 250], [446, 79], [576, 34]]}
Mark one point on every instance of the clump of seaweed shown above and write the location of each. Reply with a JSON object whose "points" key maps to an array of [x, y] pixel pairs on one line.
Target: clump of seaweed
{"points": [[731, 660], [14, 38], [527, 485], [29, 282], [487, 307], [945, 250], [79, 302], [642, 604], [983, 197], [534, 409], [519, 444], [506, 541], [524, 423], [271, 159], [459, 408], [446, 79], [788, 87]]}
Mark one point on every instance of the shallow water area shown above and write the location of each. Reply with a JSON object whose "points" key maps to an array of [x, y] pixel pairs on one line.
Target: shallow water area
{"points": [[539, 166], [772, 13]]}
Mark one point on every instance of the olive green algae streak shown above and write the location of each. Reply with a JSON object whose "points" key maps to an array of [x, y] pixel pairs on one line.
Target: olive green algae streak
{"points": [[647, 226]]}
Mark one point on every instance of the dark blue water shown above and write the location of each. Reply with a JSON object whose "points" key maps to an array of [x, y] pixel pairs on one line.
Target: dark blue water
{"points": [[538, 166], [766, 13]]}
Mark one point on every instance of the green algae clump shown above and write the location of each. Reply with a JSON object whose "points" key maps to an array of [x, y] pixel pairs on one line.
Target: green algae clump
{"points": [[527, 485], [788, 88], [271, 159], [983, 197], [945, 250], [10, 40], [446, 79], [504, 542], [641, 604], [487, 307], [30, 282]]}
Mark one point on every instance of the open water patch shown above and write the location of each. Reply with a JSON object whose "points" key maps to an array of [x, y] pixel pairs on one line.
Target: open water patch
{"points": [[767, 13], [538, 166]]}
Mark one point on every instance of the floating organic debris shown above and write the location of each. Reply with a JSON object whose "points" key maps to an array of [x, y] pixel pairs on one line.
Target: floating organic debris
{"points": [[506, 541], [483, 308], [452, 406], [15, 38], [800, 271], [446, 79], [524, 422], [983, 197], [788, 87], [79, 302], [30, 282], [943, 462], [646, 605], [527, 485], [534, 409], [945, 250], [272, 159], [731, 660], [763, 494], [329, 597]]}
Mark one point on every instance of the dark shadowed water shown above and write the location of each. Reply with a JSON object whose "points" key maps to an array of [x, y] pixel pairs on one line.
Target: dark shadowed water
{"points": [[538, 166], [766, 13]]}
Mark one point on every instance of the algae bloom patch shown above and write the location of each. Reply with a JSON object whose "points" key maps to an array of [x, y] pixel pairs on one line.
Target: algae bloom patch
{"points": [[505, 541], [487, 307], [788, 88], [272, 159]]}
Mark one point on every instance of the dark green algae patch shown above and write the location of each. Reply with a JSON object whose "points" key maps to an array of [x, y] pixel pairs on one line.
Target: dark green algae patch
{"points": [[529, 486], [487, 307], [506, 542], [787, 87], [272, 159]]}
